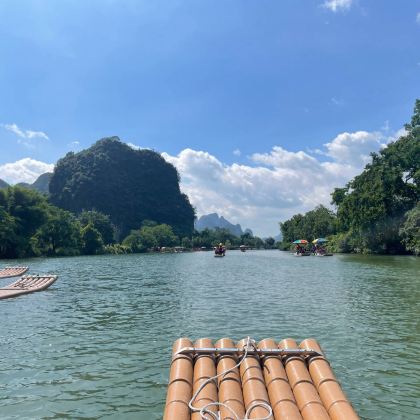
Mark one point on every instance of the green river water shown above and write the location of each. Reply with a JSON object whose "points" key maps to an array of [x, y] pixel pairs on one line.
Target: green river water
{"points": [[97, 344]]}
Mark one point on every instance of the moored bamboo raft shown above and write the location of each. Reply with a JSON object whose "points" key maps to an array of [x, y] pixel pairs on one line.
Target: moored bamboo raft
{"points": [[12, 272], [27, 284], [267, 380]]}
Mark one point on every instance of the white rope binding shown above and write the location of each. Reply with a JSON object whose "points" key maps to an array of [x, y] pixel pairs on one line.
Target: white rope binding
{"points": [[204, 411]]}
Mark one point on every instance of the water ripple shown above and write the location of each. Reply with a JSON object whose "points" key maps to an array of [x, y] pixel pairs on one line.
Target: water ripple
{"points": [[97, 344]]}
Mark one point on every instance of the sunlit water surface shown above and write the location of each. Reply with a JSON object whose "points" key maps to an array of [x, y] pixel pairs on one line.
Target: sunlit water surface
{"points": [[97, 344]]}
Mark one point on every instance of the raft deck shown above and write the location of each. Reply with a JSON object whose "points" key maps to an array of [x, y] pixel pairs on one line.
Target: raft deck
{"points": [[12, 272], [27, 284], [267, 380]]}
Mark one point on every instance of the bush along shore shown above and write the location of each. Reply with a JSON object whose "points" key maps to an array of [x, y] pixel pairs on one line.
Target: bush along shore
{"points": [[31, 226], [376, 212]]}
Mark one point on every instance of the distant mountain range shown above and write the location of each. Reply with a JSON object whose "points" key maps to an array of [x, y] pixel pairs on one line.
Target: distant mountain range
{"points": [[213, 221], [41, 183]]}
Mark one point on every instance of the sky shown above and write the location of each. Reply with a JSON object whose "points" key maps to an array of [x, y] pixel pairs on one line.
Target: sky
{"points": [[263, 106]]}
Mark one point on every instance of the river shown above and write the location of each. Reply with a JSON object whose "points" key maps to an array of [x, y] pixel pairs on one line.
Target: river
{"points": [[98, 343]]}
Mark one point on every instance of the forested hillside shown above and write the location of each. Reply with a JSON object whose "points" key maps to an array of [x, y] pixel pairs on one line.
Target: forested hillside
{"points": [[378, 211], [41, 184], [128, 185]]}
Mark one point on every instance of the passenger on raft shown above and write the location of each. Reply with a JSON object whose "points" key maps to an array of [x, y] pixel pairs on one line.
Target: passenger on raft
{"points": [[220, 249], [299, 249]]}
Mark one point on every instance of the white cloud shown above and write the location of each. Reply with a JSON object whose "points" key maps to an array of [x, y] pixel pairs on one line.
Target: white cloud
{"points": [[237, 152], [418, 18], [355, 148], [24, 170], [25, 134], [395, 136], [337, 5], [272, 187], [275, 185], [134, 146], [74, 145]]}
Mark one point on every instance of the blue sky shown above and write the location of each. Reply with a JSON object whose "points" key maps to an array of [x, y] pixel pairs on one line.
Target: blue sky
{"points": [[233, 79]]}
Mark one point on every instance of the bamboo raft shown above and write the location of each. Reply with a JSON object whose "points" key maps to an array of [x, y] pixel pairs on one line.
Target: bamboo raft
{"points": [[27, 284], [267, 380], [12, 272]]}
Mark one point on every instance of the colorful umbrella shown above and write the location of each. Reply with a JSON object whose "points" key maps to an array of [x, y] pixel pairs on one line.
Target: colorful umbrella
{"points": [[319, 241], [300, 241]]}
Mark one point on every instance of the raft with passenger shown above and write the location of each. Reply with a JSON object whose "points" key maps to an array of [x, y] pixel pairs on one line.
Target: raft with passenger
{"points": [[245, 380], [300, 250], [219, 250], [320, 250]]}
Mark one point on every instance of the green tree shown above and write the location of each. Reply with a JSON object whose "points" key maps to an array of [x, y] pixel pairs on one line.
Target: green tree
{"points": [[164, 235], [134, 242], [100, 222], [372, 207], [148, 238], [269, 243], [7, 234], [92, 240], [186, 243], [59, 235], [320, 222], [410, 230]]}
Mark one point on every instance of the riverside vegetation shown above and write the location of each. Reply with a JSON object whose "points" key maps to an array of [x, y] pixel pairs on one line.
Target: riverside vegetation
{"points": [[31, 226], [376, 212], [111, 198]]}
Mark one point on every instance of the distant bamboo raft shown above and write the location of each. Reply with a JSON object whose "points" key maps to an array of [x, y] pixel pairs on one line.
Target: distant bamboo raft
{"points": [[27, 284], [273, 381], [12, 272]]}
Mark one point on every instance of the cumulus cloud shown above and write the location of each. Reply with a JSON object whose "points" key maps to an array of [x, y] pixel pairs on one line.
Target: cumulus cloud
{"points": [[337, 5], [354, 148], [237, 152], [274, 185], [24, 170]]}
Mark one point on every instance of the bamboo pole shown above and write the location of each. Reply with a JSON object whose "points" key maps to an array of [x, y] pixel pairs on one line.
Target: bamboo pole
{"points": [[253, 386], [180, 383], [281, 396], [204, 368], [332, 396], [230, 389], [307, 398]]}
